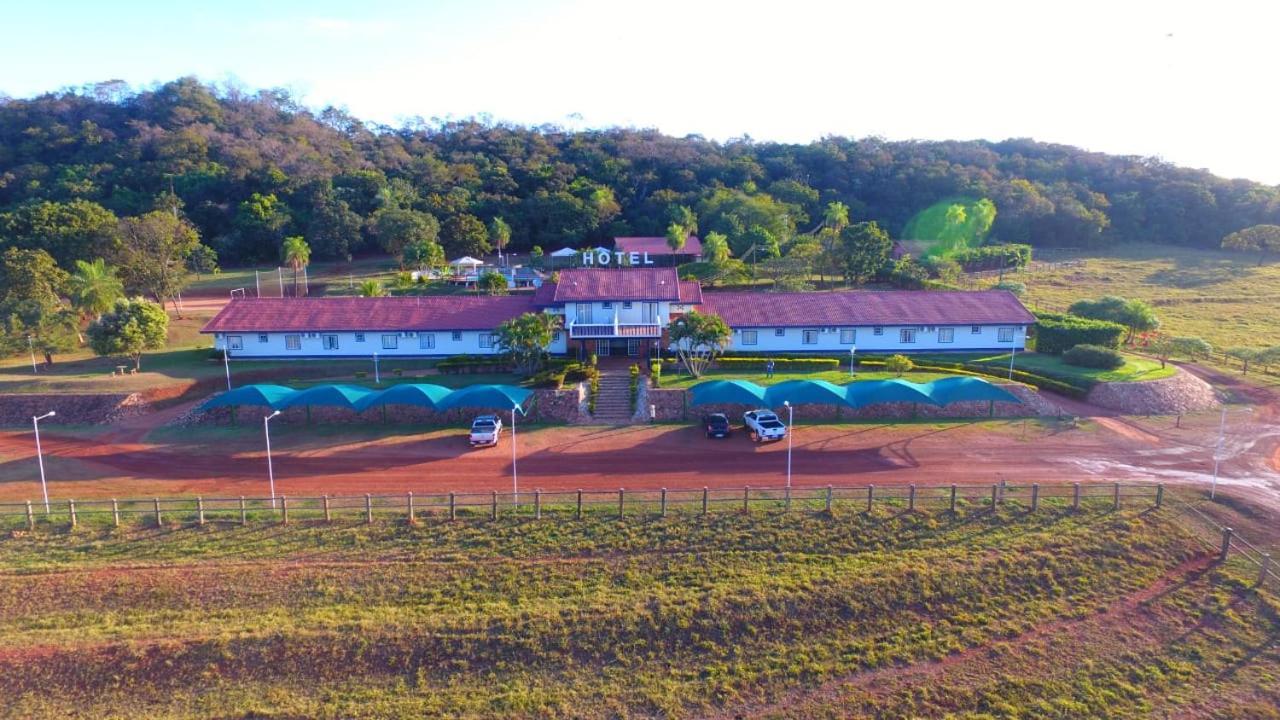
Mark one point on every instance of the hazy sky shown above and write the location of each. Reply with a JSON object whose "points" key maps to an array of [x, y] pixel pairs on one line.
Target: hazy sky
{"points": [[1193, 83]]}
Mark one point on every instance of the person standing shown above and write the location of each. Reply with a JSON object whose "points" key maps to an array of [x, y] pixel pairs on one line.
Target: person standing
{"points": [[768, 368]]}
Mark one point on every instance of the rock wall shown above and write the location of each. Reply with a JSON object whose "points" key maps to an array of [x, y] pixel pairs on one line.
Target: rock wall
{"points": [[71, 409], [1180, 393]]}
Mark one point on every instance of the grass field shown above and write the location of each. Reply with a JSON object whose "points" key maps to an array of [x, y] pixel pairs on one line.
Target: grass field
{"points": [[895, 615]]}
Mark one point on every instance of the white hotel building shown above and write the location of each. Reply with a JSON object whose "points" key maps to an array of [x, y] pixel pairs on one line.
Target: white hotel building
{"points": [[623, 311]]}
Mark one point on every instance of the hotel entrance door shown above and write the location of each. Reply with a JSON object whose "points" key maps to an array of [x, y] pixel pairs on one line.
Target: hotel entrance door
{"points": [[630, 347]]}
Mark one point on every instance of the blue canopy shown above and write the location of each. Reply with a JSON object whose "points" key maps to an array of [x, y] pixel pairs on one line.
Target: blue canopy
{"points": [[272, 396], [720, 392], [419, 394], [804, 392], [870, 392], [489, 397], [329, 395], [962, 389]]}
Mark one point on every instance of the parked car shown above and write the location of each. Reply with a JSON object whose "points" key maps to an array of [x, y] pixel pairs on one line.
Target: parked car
{"points": [[716, 425], [764, 425], [485, 430]]}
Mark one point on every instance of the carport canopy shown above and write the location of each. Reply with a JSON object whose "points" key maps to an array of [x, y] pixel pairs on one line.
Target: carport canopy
{"points": [[265, 395], [345, 396], [723, 392], [804, 392], [968, 389], [418, 394], [489, 397]]}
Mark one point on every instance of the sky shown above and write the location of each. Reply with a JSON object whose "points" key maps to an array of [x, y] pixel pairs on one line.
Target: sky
{"points": [[1193, 83]]}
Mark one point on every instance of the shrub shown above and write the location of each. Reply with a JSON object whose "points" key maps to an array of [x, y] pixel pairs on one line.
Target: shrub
{"points": [[898, 364], [1093, 356], [1056, 332], [1016, 288], [655, 372]]}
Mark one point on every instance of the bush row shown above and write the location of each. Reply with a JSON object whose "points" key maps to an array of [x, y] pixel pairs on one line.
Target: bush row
{"points": [[994, 257], [1093, 356], [1071, 387], [1057, 333], [779, 363], [470, 364], [560, 372]]}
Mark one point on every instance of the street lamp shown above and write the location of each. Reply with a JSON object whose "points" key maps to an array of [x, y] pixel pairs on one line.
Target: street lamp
{"points": [[226, 365], [1217, 452], [515, 477], [31, 346], [44, 488], [377, 378], [853, 351], [271, 474], [790, 432]]}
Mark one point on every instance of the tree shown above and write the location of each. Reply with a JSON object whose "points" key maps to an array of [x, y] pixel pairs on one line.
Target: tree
{"points": [[296, 253], [524, 339], [153, 254], [131, 327], [464, 234], [899, 364], [259, 227], [715, 248], [203, 259], [499, 234], [398, 228], [1262, 239], [1245, 355], [423, 255], [698, 339], [69, 231], [31, 285], [1165, 347], [535, 256], [676, 237], [867, 250], [94, 287], [492, 283], [1136, 315], [371, 288], [836, 216]]}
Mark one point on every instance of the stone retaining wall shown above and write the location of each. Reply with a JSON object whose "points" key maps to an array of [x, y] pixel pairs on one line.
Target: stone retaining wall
{"points": [[71, 409], [1180, 393]]}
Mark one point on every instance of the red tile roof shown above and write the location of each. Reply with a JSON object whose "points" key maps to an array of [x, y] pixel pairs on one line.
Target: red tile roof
{"points": [[866, 307], [690, 292], [594, 284], [429, 312], [657, 245]]}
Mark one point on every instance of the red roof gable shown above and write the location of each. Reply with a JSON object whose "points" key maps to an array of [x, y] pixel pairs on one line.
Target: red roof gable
{"points": [[429, 312], [589, 284], [657, 245], [866, 307]]}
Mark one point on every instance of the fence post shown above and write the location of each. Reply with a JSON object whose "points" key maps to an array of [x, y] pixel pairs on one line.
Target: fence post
{"points": [[704, 499], [1035, 496], [662, 507], [786, 501], [1075, 496], [1160, 495], [493, 507], [953, 497], [200, 511], [409, 507], [31, 517], [577, 513], [995, 496], [1226, 542], [115, 513], [71, 510], [911, 497], [537, 504], [746, 497], [328, 516], [159, 519], [1262, 572], [284, 510], [871, 496], [829, 491], [621, 495], [453, 507], [1115, 497], [368, 509], [244, 513]]}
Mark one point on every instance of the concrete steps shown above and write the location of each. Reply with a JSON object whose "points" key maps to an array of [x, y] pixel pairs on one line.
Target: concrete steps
{"points": [[613, 403]]}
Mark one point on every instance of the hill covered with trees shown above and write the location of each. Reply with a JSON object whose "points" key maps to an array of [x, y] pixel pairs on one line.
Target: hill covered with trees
{"points": [[247, 170]]}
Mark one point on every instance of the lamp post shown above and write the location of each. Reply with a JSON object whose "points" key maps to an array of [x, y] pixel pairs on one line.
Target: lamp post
{"points": [[271, 474], [515, 476], [31, 346], [377, 378], [790, 432], [226, 365], [44, 488], [1012, 352], [853, 351]]}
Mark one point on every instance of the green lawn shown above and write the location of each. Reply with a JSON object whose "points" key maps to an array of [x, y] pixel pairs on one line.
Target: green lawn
{"points": [[1135, 369]]}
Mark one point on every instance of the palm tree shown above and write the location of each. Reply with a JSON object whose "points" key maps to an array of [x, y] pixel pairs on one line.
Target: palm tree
{"points": [[95, 287], [371, 288], [296, 253]]}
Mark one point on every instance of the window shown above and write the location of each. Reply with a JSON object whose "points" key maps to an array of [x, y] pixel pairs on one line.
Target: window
{"points": [[427, 341], [626, 305], [555, 336], [330, 342], [263, 338], [946, 335], [810, 337], [749, 337], [606, 305], [457, 336], [1006, 335], [877, 331], [907, 335], [975, 330], [359, 337], [390, 342], [292, 342], [847, 336], [486, 340], [235, 342], [779, 332]]}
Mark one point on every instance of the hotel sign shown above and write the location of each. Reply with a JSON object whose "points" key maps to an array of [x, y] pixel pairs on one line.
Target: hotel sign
{"points": [[604, 258]]}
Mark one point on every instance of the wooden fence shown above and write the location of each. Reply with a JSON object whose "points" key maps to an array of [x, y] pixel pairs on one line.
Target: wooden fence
{"points": [[1228, 543], [563, 505]]}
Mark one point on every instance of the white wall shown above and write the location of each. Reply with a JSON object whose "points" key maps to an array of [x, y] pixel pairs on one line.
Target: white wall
{"points": [[408, 345], [866, 340]]}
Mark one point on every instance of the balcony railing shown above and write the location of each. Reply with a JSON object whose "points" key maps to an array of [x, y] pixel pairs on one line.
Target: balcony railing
{"points": [[612, 330]]}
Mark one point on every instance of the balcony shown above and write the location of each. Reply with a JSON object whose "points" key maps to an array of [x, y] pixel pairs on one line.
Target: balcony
{"points": [[614, 330]]}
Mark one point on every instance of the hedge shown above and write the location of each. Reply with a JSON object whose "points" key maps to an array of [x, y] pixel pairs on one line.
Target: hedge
{"points": [[1071, 387], [1056, 333], [993, 257], [758, 363], [467, 364], [1093, 356]]}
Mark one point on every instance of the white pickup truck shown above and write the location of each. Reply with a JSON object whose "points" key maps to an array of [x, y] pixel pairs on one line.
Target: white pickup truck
{"points": [[764, 425], [485, 430]]}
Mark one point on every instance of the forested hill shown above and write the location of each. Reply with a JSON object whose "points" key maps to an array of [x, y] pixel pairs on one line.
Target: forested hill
{"points": [[250, 169]]}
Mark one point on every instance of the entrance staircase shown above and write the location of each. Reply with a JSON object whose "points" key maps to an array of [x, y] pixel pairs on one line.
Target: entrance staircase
{"points": [[613, 404]]}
